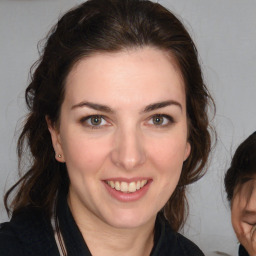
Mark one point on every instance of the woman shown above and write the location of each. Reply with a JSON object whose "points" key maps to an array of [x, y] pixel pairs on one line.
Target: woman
{"points": [[240, 186], [117, 129]]}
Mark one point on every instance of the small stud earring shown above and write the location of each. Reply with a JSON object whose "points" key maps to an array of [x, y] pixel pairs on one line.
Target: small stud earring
{"points": [[59, 156]]}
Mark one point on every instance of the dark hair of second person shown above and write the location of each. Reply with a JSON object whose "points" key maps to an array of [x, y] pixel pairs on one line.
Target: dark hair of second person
{"points": [[243, 166], [240, 185]]}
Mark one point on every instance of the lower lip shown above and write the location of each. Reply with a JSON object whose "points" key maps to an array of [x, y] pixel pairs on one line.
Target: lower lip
{"points": [[128, 197]]}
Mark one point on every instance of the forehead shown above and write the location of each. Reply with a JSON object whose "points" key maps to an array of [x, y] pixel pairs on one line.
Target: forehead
{"points": [[130, 74]]}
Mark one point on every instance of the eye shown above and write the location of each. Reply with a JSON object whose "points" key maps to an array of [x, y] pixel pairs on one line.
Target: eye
{"points": [[94, 121], [250, 220], [160, 120]]}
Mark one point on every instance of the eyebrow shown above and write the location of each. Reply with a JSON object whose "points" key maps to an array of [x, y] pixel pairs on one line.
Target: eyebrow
{"points": [[104, 108], [248, 213], [94, 106], [162, 104]]}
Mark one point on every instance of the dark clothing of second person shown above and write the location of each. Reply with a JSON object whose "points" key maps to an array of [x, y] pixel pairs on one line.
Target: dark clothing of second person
{"points": [[242, 251]]}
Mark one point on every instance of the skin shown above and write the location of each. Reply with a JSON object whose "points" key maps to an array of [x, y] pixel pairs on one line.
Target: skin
{"points": [[126, 144], [243, 212]]}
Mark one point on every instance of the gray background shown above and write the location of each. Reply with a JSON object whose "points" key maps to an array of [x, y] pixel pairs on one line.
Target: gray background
{"points": [[224, 32]]}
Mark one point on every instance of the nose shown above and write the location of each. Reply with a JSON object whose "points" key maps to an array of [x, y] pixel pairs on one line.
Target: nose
{"points": [[128, 151]]}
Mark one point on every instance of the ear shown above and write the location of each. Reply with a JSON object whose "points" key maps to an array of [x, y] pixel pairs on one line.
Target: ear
{"points": [[187, 151], [56, 140]]}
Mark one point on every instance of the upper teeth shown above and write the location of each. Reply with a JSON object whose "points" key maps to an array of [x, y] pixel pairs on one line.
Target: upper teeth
{"points": [[127, 187]]}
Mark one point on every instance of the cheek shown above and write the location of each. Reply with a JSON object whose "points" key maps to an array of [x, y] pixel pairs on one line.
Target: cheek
{"points": [[236, 215], [168, 154], [84, 154], [167, 158]]}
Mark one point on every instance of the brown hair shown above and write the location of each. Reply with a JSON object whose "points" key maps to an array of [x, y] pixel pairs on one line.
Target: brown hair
{"points": [[243, 166], [107, 26]]}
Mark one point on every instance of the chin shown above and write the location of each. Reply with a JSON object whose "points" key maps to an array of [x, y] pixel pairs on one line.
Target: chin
{"points": [[129, 219]]}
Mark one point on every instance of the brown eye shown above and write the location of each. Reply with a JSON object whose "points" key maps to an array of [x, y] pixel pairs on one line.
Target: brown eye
{"points": [[158, 120], [95, 120]]}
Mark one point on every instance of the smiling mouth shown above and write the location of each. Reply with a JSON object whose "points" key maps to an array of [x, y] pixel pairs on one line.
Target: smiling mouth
{"points": [[127, 187]]}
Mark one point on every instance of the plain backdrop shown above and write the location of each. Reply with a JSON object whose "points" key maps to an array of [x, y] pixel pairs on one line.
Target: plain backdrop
{"points": [[225, 35]]}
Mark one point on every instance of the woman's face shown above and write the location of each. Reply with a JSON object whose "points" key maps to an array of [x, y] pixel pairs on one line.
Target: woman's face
{"points": [[123, 135]]}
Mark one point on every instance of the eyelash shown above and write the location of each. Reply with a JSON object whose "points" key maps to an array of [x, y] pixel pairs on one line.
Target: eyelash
{"points": [[169, 120], [84, 120]]}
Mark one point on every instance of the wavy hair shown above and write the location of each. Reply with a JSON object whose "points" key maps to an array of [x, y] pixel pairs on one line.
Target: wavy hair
{"points": [[106, 26]]}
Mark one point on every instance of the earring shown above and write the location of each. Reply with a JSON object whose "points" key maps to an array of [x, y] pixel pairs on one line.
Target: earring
{"points": [[59, 156]]}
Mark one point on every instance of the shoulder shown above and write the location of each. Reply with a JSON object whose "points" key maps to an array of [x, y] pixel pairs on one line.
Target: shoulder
{"points": [[169, 242], [8, 241], [28, 233], [188, 247]]}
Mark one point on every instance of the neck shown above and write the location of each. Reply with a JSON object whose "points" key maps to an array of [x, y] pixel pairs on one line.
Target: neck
{"points": [[113, 242], [103, 239]]}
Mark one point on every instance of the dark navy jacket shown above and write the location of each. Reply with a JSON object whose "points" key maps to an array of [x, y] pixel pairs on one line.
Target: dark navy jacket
{"points": [[242, 251], [30, 233]]}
